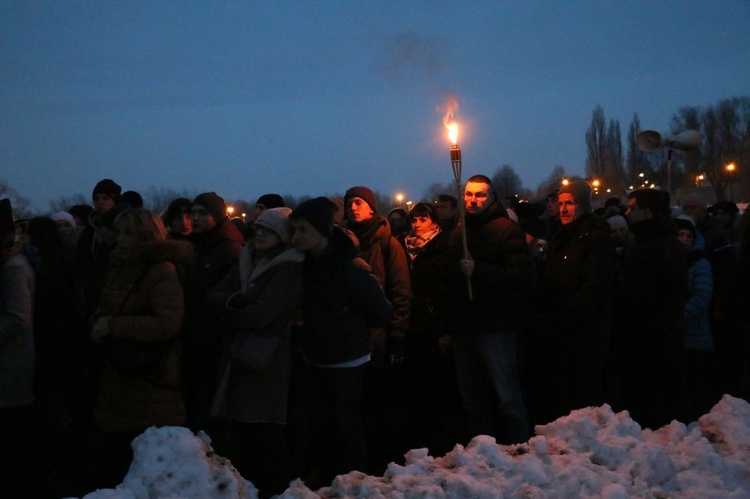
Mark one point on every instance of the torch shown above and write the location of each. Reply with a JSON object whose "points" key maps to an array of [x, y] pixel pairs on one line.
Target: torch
{"points": [[457, 166]]}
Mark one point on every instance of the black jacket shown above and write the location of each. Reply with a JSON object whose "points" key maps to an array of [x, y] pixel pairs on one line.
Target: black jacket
{"points": [[343, 301], [502, 275]]}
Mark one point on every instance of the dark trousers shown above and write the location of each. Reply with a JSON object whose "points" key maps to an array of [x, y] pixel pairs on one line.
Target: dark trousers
{"points": [[338, 431], [259, 452], [490, 386], [16, 449], [111, 458]]}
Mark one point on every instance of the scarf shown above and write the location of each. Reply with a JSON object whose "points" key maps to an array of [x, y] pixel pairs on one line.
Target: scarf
{"points": [[414, 244]]}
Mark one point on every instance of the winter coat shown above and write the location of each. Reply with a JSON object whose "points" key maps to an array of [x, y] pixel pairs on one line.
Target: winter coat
{"points": [[260, 297], [698, 336], [502, 275], [343, 301], [215, 253], [92, 257], [388, 262], [16, 332], [650, 322], [655, 288], [429, 270], [144, 295], [568, 349], [575, 284]]}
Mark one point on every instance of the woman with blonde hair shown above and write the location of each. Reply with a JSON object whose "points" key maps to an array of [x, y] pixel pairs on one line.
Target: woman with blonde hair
{"points": [[135, 326]]}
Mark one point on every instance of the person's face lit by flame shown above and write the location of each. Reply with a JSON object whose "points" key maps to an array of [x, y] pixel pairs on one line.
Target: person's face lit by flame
{"points": [[477, 197]]}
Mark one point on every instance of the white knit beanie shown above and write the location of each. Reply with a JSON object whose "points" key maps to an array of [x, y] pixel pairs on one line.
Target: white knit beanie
{"points": [[277, 219]]}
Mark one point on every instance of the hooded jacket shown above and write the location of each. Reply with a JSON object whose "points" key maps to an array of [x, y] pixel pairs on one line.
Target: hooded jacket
{"points": [[343, 301]]}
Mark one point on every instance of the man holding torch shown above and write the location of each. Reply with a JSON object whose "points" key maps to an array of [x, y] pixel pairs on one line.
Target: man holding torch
{"points": [[486, 315]]}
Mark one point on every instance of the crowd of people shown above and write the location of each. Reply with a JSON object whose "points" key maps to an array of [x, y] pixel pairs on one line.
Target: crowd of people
{"points": [[329, 336]]}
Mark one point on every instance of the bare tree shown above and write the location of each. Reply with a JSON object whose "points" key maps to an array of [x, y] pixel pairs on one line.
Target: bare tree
{"points": [[506, 182], [596, 144], [637, 161], [614, 174], [20, 203], [436, 189], [63, 203], [158, 198], [725, 128], [553, 181]]}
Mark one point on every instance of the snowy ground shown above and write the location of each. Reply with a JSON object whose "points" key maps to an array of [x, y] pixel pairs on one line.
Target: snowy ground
{"points": [[592, 452]]}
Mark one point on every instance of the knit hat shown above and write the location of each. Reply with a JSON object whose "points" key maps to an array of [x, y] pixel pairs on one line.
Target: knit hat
{"points": [[213, 203], [7, 225], [63, 215], [176, 208], [363, 193], [617, 222], [581, 192], [685, 222], [271, 201], [318, 212], [277, 219], [109, 188], [133, 198]]}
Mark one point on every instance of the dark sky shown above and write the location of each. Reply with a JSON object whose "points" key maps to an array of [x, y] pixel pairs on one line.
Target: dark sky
{"points": [[299, 97]]}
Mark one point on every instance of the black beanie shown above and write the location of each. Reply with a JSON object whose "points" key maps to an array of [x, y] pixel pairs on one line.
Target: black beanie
{"points": [[271, 201], [363, 193], [213, 203], [108, 187], [318, 212], [7, 225], [176, 208], [581, 192]]}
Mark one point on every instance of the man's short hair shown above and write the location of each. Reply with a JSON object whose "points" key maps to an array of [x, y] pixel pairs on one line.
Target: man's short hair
{"points": [[447, 198], [481, 179]]}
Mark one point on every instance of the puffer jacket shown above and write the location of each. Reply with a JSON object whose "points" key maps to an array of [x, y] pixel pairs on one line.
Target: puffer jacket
{"points": [[144, 295]]}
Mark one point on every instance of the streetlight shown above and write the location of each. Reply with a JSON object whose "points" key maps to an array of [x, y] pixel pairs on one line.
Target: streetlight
{"points": [[731, 167], [230, 211], [565, 181], [399, 198]]}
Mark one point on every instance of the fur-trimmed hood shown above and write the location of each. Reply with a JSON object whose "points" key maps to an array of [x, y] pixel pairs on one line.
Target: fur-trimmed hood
{"points": [[176, 251]]}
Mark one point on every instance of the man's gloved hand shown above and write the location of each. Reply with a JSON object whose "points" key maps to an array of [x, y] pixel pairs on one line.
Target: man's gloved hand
{"points": [[395, 349]]}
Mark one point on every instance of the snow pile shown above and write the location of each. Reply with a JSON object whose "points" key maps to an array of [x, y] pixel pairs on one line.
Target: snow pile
{"points": [[172, 462], [592, 452]]}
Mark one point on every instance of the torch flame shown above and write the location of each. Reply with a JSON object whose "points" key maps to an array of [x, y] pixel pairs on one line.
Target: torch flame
{"points": [[453, 132], [450, 109]]}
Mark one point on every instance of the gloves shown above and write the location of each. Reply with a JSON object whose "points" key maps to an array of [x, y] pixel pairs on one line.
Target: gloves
{"points": [[100, 329], [395, 350]]}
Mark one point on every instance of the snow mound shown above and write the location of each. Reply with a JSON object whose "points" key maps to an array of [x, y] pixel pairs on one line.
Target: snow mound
{"points": [[171, 463], [592, 452]]}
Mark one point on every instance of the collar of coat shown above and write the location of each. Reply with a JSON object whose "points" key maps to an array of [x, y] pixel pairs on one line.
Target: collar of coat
{"points": [[252, 266]]}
